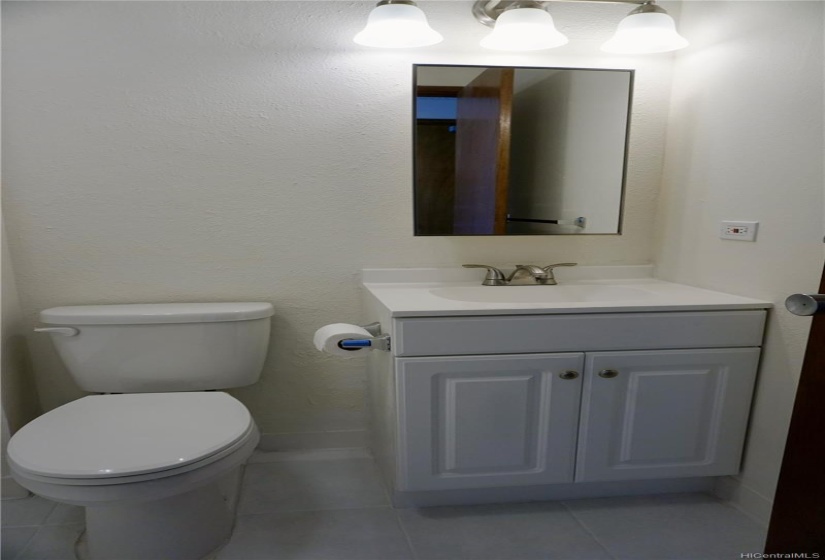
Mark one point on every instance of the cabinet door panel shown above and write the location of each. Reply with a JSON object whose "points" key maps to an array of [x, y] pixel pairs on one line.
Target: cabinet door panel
{"points": [[667, 414], [489, 422], [478, 421]]}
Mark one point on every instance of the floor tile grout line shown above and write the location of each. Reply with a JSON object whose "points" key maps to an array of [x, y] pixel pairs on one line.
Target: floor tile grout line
{"points": [[22, 526], [37, 534], [385, 495], [400, 523], [381, 482], [406, 535], [26, 544], [277, 460], [65, 524], [29, 543], [733, 506], [588, 530], [52, 507], [244, 514]]}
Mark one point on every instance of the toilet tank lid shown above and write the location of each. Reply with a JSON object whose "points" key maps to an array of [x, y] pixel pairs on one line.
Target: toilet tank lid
{"points": [[152, 313]]}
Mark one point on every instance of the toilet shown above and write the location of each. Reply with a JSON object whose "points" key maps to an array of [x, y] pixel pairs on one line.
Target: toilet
{"points": [[156, 456]]}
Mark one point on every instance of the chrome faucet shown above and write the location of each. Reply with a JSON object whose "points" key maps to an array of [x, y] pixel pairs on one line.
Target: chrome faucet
{"points": [[531, 274], [538, 274]]}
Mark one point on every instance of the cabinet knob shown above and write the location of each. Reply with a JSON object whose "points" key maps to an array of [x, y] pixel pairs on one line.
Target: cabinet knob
{"points": [[569, 374], [608, 373]]}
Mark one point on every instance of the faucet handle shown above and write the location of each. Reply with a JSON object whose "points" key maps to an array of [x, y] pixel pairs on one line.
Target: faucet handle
{"points": [[550, 267], [551, 280], [494, 277]]}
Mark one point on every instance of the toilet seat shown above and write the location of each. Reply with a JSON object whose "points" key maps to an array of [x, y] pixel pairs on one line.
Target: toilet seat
{"points": [[116, 439]]}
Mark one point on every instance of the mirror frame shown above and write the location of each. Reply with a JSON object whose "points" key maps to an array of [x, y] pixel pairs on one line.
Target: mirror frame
{"points": [[625, 160]]}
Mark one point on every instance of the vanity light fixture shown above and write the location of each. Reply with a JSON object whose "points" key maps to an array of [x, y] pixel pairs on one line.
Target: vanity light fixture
{"points": [[522, 25], [647, 29], [397, 24]]}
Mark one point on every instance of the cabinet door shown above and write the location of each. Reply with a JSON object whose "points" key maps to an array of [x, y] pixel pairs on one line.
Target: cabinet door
{"points": [[664, 414], [478, 421]]}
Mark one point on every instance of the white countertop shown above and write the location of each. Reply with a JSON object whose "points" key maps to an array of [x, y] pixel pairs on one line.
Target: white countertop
{"points": [[602, 289]]}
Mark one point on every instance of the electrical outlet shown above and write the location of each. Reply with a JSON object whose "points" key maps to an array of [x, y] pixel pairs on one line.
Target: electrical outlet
{"points": [[741, 231]]}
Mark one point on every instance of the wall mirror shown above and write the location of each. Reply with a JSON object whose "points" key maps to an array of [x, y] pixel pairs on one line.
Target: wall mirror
{"points": [[519, 151]]}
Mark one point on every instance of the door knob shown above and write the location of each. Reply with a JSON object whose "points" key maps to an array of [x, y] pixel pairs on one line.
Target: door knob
{"points": [[569, 374], [608, 373], [806, 304]]}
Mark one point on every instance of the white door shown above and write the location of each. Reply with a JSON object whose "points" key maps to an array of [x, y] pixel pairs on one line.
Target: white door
{"points": [[664, 414], [479, 421]]}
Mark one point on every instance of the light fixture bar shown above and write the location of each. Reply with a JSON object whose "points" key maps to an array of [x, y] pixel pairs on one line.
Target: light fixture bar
{"points": [[647, 7], [487, 11]]}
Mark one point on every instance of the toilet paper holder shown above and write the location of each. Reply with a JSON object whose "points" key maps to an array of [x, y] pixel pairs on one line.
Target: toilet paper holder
{"points": [[377, 342]]}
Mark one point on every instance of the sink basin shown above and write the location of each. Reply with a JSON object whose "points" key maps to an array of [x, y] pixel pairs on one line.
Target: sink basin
{"points": [[570, 293]]}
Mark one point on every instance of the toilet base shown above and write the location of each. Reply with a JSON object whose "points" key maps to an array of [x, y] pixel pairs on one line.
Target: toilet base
{"points": [[190, 526]]}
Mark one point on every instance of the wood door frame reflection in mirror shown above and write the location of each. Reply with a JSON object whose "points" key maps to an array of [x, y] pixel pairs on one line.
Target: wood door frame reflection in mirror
{"points": [[505, 151]]}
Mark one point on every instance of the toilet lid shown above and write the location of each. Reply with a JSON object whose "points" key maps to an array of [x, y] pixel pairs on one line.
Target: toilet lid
{"points": [[104, 436]]}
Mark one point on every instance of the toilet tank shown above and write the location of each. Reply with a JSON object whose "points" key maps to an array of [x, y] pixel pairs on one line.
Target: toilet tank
{"points": [[161, 347]]}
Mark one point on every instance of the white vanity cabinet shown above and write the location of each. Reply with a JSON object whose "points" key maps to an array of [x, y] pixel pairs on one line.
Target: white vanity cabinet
{"points": [[611, 383], [646, 396]]}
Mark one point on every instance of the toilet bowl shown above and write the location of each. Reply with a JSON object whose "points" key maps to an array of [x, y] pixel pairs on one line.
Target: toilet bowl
{"points": [[158, 473], [153, 470]]}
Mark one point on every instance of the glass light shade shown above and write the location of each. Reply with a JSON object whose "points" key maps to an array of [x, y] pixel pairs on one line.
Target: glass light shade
{"points": [[397, 26], [645, 33], [524, 29]]}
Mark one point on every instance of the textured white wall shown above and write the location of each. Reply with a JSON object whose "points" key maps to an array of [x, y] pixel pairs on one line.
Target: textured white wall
{"points": [[746, 143], [19, 403], [209, 151]]}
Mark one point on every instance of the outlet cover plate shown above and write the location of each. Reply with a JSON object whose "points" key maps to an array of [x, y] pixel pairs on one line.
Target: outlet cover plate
{"points": [[740, 231]]}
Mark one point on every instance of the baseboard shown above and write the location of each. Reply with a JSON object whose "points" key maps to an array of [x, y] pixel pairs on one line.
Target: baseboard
{"points": [[10, 490], [338, 454], [744, 498], [313, 440], [571, 491]]}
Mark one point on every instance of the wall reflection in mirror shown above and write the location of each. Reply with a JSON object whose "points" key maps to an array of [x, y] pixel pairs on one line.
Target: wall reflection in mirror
{"points": [[523, 151]]}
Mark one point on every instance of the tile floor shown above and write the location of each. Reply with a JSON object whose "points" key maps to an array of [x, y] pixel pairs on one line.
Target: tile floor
{"points": [[331, 505]]}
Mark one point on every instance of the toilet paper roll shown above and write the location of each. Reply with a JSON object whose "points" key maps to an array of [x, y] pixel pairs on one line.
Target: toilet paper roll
{"points": [[327, 338]]}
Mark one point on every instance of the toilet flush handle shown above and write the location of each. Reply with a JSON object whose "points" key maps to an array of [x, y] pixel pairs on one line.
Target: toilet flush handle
{"points": [[65, 331]]}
